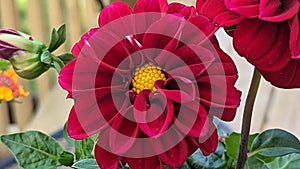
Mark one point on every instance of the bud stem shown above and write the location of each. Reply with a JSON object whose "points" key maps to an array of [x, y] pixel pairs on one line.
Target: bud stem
{"points": [[57, 63]]}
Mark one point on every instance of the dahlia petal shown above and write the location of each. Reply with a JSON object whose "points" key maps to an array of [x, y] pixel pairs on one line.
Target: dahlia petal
{"points": [[192, 119], [176, 156], [140, 103], [196, 60], [144, 163], [83, 41], [295, 37], [151, 6], [74, 127], [265, 45], [221, 16], [287, 77], [175, 7], [185, 90], [159, 33], [157, 118], [207, 144], [76, 75], [105, 158], [112, 12], [217, 91], [123, 133], [88, 117], [278, 11], [210, 145], [247, 8], [204, 24], [187, 12], [193, 54]]}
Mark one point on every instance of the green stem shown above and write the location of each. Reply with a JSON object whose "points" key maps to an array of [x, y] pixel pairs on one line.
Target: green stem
{"points": [[247, 119], [59, 62]]}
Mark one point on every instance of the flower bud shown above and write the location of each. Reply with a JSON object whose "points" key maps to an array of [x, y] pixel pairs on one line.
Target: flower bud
{"points": [[28, 65], [23, 52], [12, 41]]}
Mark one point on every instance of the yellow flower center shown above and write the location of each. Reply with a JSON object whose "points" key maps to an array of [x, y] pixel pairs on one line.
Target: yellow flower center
{"points": [[145, 77]]}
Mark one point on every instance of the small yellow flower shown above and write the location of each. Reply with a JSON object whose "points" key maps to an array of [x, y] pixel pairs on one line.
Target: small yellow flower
{"points": [[9, 88]]}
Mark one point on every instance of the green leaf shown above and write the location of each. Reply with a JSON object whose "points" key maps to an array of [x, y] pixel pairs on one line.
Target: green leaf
{"points": [[57, 38], [184, 166], [34, 149], [84, 149], [291, 161], [274, 143], [4, 64], [254, 162], [57, 66], [67, 137], [86, 164], [46, 57], [66, 58], [214, 160], [232, 144]]}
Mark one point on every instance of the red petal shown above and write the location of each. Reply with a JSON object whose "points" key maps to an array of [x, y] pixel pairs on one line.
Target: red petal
{"points": [[112, 12], [151, 6], [123, 133], [210, 145], [207, 144], [90, 115], [205, 24], [158, 117], [105, 159], [220, 15], [278, 10], [175, 7], [287, 77], [74, 128], [187, 12], [144, 163], [176, 156], [265, 45], [185, 90], [165, 33], [192, 119], [217, 91], [141, 101], [295, 37], [247, 8], [83, 41]]}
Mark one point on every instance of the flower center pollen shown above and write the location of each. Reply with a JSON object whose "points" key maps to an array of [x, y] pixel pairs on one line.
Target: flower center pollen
{"points": [[146, 76]]}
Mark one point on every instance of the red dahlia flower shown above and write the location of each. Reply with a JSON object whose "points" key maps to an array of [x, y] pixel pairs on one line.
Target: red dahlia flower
{"points": [[269, 38], [150, 84]]}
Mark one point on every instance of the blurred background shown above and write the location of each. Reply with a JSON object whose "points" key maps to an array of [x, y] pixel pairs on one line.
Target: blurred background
{"points": [[46, 109]]}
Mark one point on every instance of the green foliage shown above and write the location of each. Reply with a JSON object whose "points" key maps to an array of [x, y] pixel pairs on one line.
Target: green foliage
{"points": [[232, 143], [291, 161], [34, 149], [4, 64], [86, 164], [66, 58], [274, 143], [215, 160], [84, 149], [184, 166], [58, 37]]}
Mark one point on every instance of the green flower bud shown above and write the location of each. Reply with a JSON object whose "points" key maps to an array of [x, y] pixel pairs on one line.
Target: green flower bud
{"points": [[28, 65]]}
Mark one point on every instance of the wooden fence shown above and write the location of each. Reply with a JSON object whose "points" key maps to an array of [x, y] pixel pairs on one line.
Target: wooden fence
{"points": [[274, 107]]}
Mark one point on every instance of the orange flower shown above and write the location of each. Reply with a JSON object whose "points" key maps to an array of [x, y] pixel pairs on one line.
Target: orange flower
{"points": [[9, 88]]}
